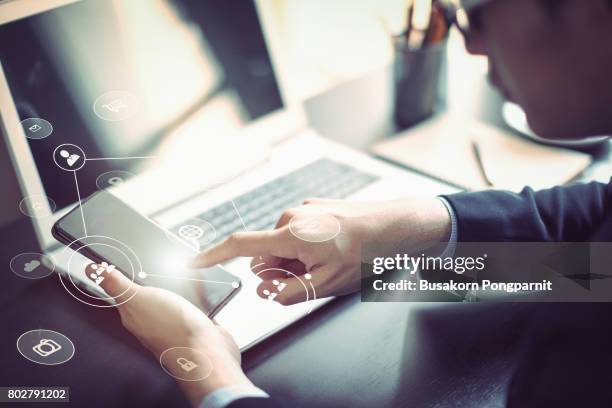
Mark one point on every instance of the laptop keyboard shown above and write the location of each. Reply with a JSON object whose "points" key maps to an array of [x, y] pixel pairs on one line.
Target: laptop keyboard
{"points": [[262, 207]]}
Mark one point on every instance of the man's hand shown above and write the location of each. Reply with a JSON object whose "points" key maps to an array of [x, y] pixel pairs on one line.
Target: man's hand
{"points": [[161, 320], [324, 238]]}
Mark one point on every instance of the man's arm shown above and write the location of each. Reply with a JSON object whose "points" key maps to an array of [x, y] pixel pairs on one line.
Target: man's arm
{"points": [[570, 213]]}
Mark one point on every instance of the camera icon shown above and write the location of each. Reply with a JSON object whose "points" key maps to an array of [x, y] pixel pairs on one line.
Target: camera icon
{"points": [[46, 347]]}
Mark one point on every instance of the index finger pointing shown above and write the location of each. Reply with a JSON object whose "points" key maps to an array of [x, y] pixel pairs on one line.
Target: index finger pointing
{"points": [[275, 242]]}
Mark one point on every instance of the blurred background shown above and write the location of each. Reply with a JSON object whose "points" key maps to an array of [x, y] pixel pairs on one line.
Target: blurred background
{"points": [[334, 52]]}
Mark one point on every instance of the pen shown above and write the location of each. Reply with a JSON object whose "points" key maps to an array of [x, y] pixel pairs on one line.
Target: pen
{"points": [[426, 24], [481, 166], [418, 23], [438, 27], [409, 19]]}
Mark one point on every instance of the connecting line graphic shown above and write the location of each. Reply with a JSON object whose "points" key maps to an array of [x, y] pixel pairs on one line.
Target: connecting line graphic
{"points": [[76, 182], [143, 274], [314, 293], [242, 222], [240, 216], [120, 158]]}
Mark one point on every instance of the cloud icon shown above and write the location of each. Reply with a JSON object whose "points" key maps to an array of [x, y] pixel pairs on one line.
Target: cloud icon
{"points": [[30, 266]]}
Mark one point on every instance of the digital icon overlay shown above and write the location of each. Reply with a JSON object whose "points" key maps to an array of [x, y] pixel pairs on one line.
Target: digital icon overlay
{"points": [[36, 128], [112, 178], [314, 226], [96, 272], [46, 347], [196, 232], [37, 206], [76, 270], [69, 157], [186, 363], [279, 287], [190, 232], [32, 265], [116, 106]]}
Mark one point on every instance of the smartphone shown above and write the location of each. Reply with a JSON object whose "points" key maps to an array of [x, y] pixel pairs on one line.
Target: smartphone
{"points": [[105, 229]]}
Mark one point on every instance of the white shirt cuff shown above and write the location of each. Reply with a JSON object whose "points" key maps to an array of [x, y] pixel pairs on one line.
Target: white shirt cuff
{"points": [[224, 396], [449, 251]]}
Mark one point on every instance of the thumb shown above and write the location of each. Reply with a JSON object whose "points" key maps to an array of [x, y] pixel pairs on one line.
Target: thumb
{"points": [[112, 280]]}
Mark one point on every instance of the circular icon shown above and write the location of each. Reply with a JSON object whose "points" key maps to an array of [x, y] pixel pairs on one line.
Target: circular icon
{"points": [[79, 269], [32, 265], [116, 105], [196, 232], [97, 272], [45, 347], [112, 178], [190, 232], [314, 226], [69, 157], [272, 291], [36, 128], [37, 206], [185, 363]]}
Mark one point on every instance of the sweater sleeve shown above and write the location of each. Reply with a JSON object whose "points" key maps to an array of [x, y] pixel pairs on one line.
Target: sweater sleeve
{"points": [[569, 213]]}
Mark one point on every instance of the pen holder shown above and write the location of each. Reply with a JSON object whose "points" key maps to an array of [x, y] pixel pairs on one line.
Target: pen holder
{"points": [[418, 81]]}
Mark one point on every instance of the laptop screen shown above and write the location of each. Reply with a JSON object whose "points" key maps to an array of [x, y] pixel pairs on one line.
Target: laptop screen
{"points": [[120, 79]]}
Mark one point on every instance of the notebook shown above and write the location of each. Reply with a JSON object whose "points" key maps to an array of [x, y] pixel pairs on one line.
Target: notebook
{"points": [[442, 147]]}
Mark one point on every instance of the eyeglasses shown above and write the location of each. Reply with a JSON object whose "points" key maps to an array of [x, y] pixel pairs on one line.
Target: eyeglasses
{"points": [[429, 22], [467, 19]]}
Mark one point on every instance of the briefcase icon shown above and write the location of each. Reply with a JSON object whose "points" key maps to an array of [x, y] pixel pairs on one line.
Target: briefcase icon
{"points": [[186, 365]]}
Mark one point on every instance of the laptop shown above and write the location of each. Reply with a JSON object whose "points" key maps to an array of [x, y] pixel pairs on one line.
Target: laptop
{"points": [[183, 111]]}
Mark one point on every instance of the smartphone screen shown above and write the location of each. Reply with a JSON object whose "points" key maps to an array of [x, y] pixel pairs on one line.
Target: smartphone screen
{"points": [[106, 229]]}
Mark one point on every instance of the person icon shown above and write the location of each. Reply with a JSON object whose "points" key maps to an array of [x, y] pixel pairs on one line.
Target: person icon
{"points": [[94, 271], [71, 159], [279, 286]]}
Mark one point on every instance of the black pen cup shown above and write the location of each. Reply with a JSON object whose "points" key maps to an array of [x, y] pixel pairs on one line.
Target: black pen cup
{"points": [[419, 81]]}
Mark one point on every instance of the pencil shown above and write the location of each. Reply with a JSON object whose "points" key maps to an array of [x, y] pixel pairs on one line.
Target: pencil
{"points": [[481, 166]]}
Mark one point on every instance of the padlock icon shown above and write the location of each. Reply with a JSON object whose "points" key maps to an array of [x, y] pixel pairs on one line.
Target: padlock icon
{"points": [[186, 365]]}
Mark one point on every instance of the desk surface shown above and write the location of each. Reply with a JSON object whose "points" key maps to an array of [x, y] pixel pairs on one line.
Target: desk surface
{"points": [[346, 354]]}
